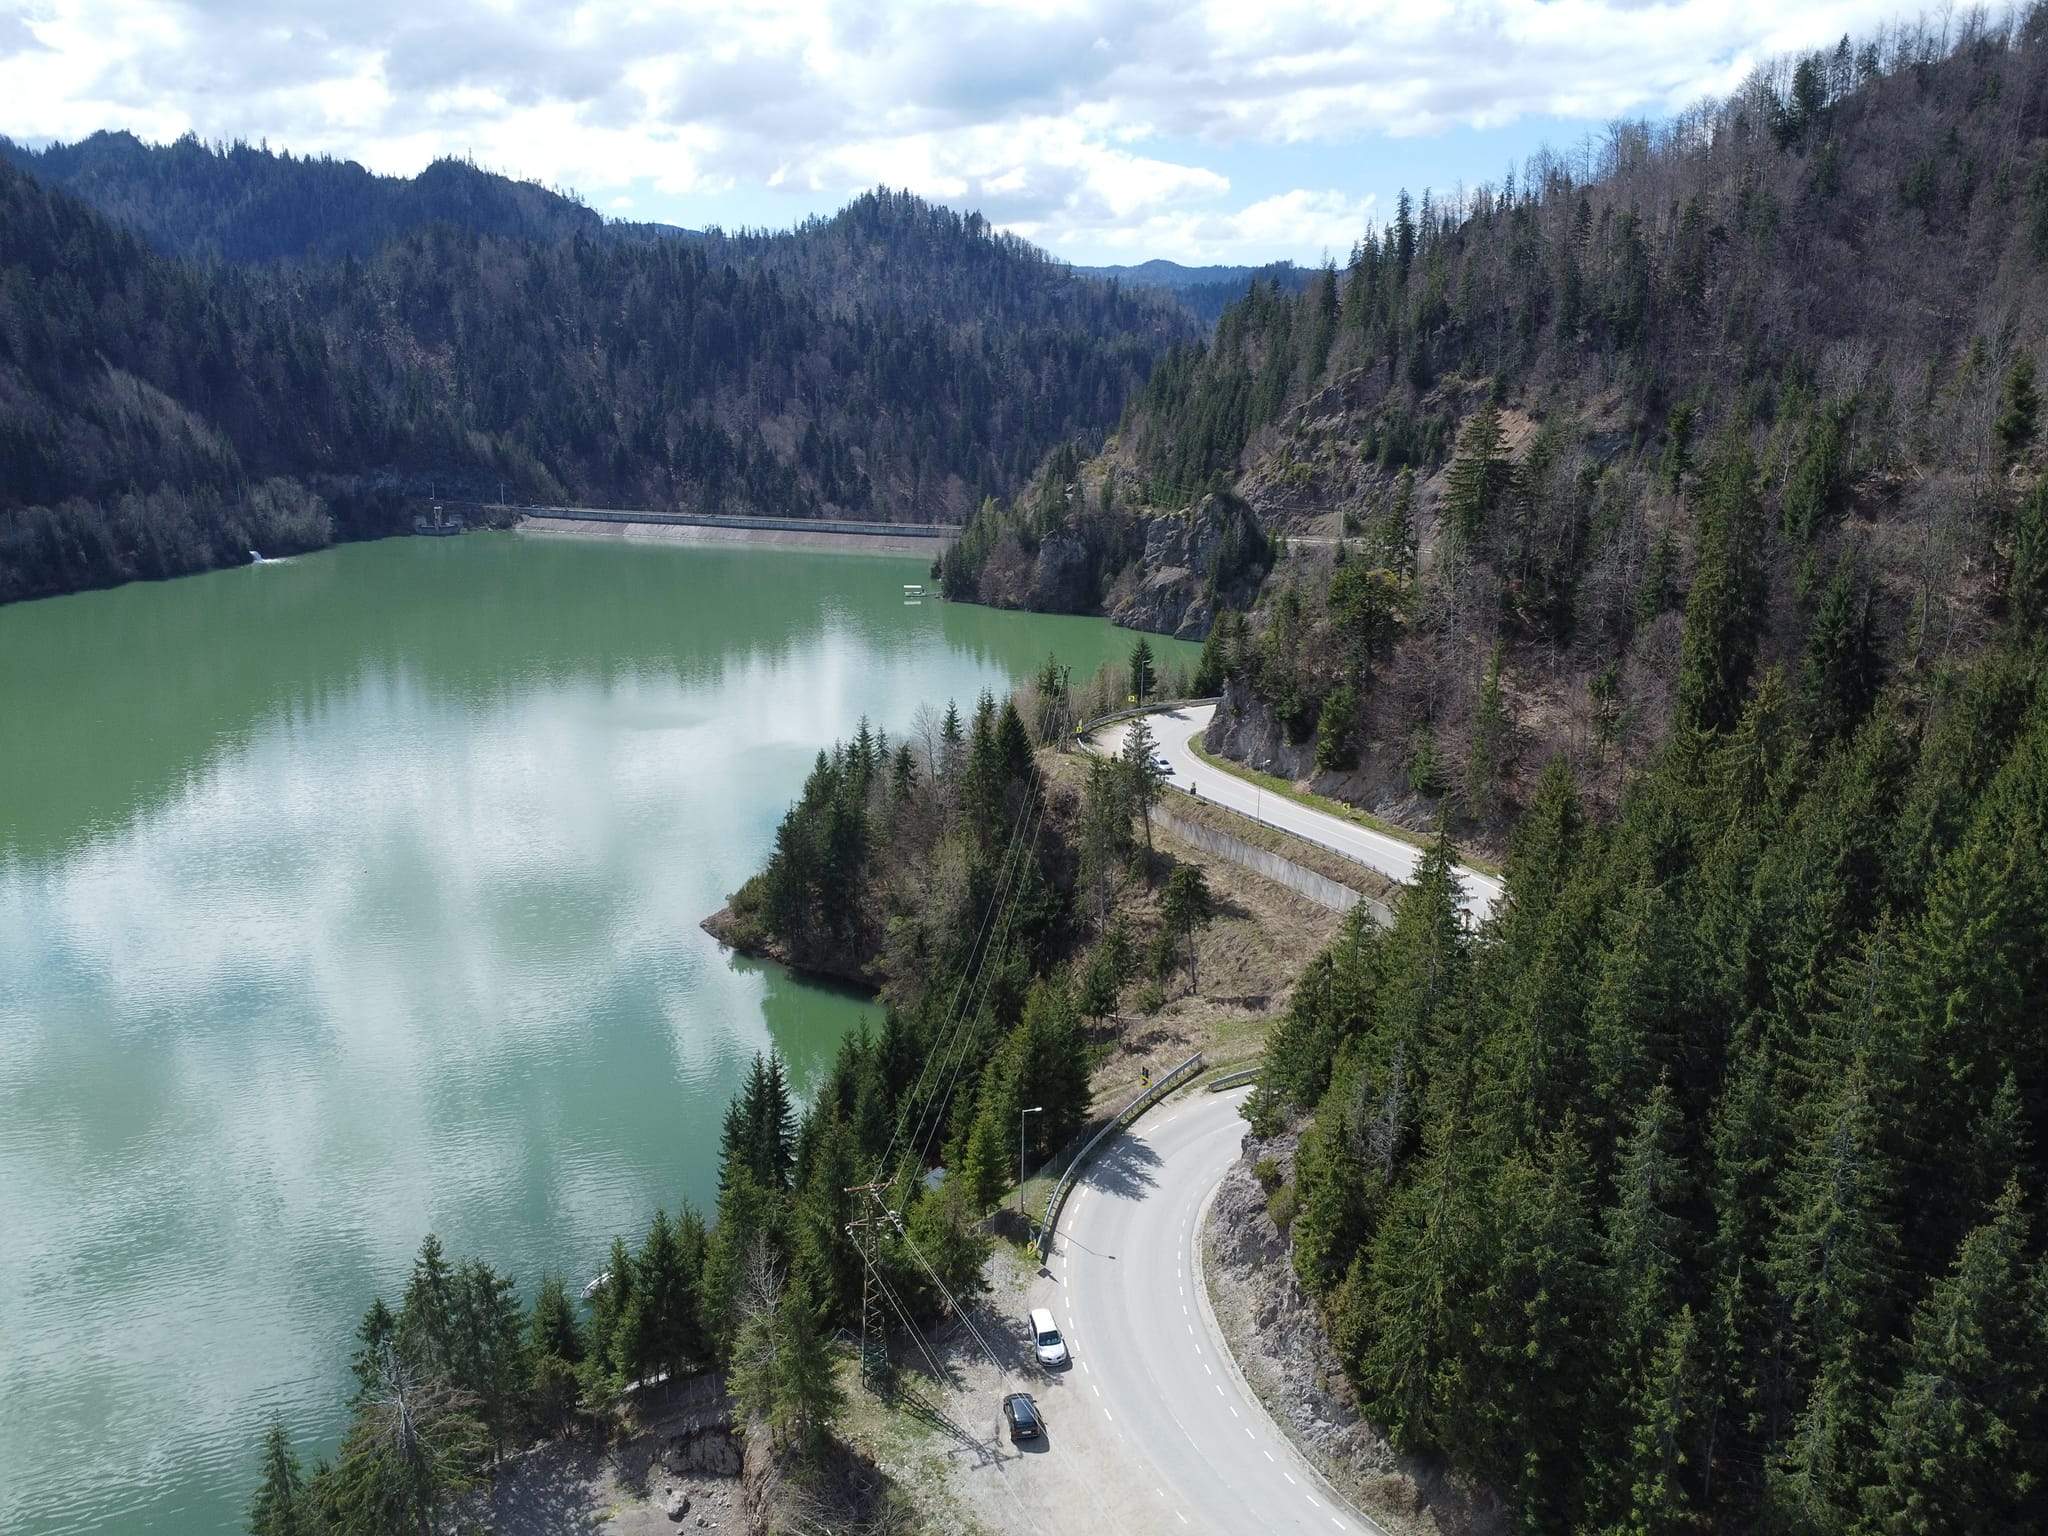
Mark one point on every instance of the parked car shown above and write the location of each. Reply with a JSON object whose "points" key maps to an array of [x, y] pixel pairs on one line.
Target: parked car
{"points": [[1045, 1339], [1021, 1414]]}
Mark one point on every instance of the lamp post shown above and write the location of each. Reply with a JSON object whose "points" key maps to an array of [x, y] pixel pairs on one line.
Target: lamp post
{"points": [[1036, 1109]]}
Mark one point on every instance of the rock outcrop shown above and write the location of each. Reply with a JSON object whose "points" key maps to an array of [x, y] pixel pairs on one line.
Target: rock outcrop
{"points": [[1193, 563], [1245, 730]]}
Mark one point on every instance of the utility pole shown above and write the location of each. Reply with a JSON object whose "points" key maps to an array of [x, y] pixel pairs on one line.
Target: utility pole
{"points": [[874, 1327], [1036, 1109]]}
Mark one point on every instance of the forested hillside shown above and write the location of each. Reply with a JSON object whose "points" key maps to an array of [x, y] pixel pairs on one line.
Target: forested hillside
{"points": [[898, 362], [1777, 355], [241, 203], [1702, 1189]]}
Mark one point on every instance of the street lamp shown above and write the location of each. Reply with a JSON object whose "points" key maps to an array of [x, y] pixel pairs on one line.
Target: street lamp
{"points": [[1036, 1109]]}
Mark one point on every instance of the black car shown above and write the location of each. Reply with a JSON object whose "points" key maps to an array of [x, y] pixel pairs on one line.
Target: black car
{"points": [[1021, 1414]]}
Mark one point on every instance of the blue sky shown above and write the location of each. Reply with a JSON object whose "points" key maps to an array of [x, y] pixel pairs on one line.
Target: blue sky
{"points": [[1106, 130]]}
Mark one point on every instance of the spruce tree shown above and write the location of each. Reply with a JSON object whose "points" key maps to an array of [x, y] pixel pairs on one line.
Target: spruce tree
{"points": [[1646, 1242], [1480, 479], [1661, 1475], [1141, 670], [281, 1506], [1186, 908], [1962, 1443], [1718, 647], [426, 1319], [1842, 669], [2027, 578], [1144, 780], [2019, 409]]}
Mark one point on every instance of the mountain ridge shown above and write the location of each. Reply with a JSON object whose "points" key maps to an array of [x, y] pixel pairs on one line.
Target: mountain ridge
{"points": [[899, 361]]}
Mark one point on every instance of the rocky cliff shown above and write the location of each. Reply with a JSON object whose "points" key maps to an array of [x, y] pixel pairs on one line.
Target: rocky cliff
{"points": [[1167, 572]]}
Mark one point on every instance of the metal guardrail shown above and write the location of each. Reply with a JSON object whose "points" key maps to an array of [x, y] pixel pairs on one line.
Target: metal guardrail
{"points": [[1117, 1122], [1232, 1080], [1090, 727]]}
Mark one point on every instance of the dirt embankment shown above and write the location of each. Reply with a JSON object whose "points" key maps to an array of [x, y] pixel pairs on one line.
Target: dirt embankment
{"points": [[679, 1469], [1277, 1340]]}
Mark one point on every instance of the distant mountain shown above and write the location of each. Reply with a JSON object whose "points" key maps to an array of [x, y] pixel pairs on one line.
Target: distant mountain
{"points": [[244, 204], [1172, 275], [898, 361], [1205, 292]]}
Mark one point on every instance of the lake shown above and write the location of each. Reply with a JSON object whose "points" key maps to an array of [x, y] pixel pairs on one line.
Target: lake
{"points": [[355, 896]]}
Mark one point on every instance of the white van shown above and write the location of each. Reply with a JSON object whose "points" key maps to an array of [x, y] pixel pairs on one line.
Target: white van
{"points": [[1046, 1340]]}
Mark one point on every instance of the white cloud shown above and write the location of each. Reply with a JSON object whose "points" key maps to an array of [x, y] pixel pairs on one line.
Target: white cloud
{"points": [[1087, 122]]}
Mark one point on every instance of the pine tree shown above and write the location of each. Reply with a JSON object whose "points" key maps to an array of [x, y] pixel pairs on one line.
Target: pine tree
{"points": [[609, 1311], [1719, 644], [667, 1328], [1141, 670], [555, 1347], [1539, 1307], [1662, 1480], [376, 1334], [1631, 1016], [1962, 1444], [555, 1330], [1215, 663], [1143, 779], [426, 1319], [1480, 479], [1186, 908], [281, 1507], [2027, 579], [1842, 669], [985, 1170], [1830, 1260], [774, 1125], [807, 1397], [1492, 738], [1424, 1261], [2019, 409], [1646, 1241]]}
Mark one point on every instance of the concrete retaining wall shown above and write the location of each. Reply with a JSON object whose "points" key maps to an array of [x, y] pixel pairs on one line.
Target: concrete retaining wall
{"points": [[941, 531], [1320, 889]]}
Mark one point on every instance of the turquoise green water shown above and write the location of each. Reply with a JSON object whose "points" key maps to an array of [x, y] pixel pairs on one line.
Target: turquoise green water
{"points": [[353, 896]]}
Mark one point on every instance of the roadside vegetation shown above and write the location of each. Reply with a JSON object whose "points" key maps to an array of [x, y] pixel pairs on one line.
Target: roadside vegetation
{"points": [[1700, 1189]]}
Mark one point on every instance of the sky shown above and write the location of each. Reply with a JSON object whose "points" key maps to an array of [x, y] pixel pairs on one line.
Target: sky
{"points": [[1105, 130]]}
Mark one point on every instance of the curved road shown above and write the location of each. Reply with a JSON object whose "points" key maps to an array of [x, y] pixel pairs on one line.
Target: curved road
{"points": [[1150, 1371], [1389, 855]]}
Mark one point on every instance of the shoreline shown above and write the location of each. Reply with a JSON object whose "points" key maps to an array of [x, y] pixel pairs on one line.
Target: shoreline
{"points": [[740, 939], [698, 533]]}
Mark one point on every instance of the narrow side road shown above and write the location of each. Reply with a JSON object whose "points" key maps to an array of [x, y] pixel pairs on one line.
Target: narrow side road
{"points": [[1175, 728], [1149, 1369]]}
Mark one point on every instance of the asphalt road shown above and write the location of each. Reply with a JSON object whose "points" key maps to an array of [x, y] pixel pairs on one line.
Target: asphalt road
{"points": [[1150, 1371], [1389, 855]]}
